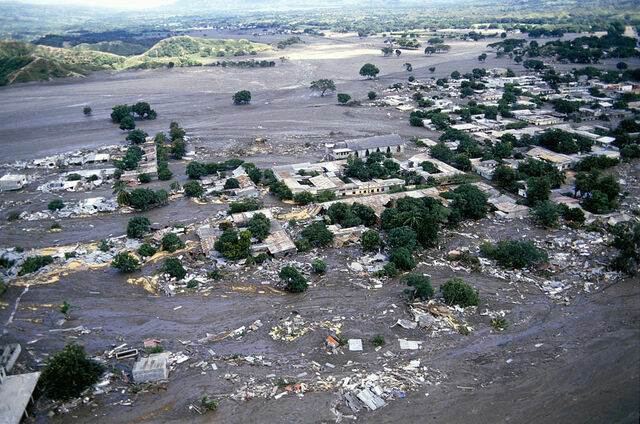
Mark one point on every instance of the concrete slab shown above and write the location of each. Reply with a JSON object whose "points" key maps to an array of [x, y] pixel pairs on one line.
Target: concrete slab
{"points": [[152, 368], [15, 392], [355, 344]]}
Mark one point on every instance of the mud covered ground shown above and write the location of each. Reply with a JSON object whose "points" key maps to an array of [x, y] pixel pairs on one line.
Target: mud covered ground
{"points": [[573, 358]]}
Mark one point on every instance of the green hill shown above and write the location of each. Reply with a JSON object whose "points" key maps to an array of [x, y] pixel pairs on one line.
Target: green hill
{"points": [[190, 51], [23, 62]]}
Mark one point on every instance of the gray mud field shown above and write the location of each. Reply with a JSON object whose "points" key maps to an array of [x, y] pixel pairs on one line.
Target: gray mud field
{"points": [[573, 360]]}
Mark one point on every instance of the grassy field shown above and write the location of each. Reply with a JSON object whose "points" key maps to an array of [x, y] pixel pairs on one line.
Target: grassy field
{"points": [[23, 62]]}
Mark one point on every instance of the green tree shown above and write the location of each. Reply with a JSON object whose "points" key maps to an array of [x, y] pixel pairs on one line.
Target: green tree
{"points": [[137, 226], [119, 112], [469, 202], [259, 225], [164, 174], [369, 70], [125, 262], [141, 198], [174, 268], [295, 282], [137, 136], [86, 110], [127, 123], [69, 373], [144, 178], [402, 237], [171, 242], [370, 240], [455, 292], [372, 95], [303, 198], [195, 170], [193, 189], [538, 190], [234, 246], [179, 148], [402, 258], [242, 97], [317, 234], [231, 183], [55, 204], [546, 213], [323, 85], [421, 284]]}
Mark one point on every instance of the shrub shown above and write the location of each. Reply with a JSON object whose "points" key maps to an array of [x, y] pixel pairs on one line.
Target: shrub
{"points": [[137, 226], [171, 242], [317, 234], [161, 197], [421, 284], [302, 245], [3, 287], [247, 205], [193, 189], [146, 250], [296, 283], [378, 340], [69, 255], [514, 253], [192, 284], [370, 240], [303, 198], [55, 225], [372, 95], [456, 292], [319, 266], [208, 404], [55, 204], [125, 262], [402, 258], [343, 98], [69, 372], [13, 216], [214, 274], [34, 263], [500, 323], [390, 270], [173, 267], [574, 216], [74, 177], [144, 178], [103, 245]]}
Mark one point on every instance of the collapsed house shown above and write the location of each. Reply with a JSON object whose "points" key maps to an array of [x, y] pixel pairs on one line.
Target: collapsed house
{"points": [[323, 176], [11, 182], [363, 147]]}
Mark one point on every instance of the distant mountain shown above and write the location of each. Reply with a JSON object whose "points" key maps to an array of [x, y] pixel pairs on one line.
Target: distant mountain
{"points": [[272, 5]]}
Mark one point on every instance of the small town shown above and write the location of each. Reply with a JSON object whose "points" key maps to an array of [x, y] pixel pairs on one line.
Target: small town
{"points": [[450, 232]]}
